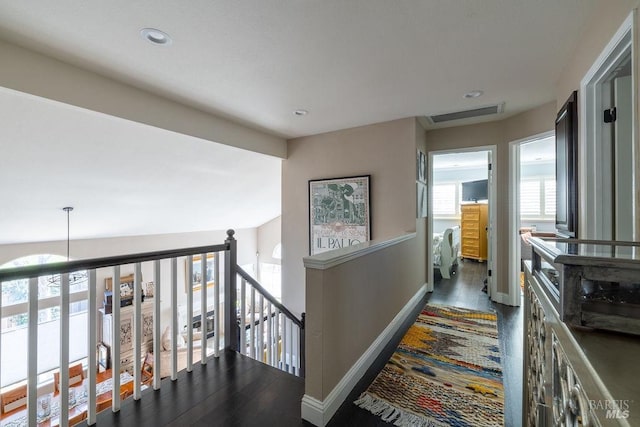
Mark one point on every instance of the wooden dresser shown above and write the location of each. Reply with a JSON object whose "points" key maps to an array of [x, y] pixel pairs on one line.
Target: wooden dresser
{"points": [[474, 231], [126, 333]]}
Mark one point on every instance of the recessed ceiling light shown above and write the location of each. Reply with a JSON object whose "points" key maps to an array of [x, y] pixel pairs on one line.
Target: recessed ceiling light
{"points": [[473, 94], [300, 112], [155, 36]]}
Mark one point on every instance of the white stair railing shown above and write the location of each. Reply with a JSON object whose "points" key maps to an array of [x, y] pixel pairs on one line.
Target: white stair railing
{"points": [[255, 324]]}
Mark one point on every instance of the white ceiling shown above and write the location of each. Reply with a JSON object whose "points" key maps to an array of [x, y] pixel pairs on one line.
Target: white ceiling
{"points": [[122, 178], [460, 160], [349, 63]]}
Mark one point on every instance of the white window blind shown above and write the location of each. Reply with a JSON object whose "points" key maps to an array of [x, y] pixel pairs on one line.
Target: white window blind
{"points": [[444, 199], [550, 197], [530, 198], [14, 347]]}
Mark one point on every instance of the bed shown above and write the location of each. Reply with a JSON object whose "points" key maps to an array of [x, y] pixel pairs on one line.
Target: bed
{"points": [[446, 246]]}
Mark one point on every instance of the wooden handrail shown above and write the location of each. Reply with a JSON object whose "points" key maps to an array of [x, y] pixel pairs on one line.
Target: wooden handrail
{"points": [[90, 264], [253, 282]]}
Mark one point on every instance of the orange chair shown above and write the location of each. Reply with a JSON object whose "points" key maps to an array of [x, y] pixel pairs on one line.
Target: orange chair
{"points": [[76, 376], [14, 399], [78, 418]]}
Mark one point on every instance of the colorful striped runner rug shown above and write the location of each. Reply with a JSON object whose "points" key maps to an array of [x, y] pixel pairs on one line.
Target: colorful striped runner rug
{"points": [[445, 372]]}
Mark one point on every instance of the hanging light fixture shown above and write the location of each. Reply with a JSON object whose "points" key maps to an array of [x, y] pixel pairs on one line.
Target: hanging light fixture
{"points": [[77, 276]]}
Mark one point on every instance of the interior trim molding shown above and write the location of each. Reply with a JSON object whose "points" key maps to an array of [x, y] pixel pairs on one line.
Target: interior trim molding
{"points": [[329, 259], [318, 412], [502, 298]]}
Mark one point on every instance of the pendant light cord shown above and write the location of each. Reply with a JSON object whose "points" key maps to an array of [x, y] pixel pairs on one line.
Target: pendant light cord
{"points": [[68, 210]]}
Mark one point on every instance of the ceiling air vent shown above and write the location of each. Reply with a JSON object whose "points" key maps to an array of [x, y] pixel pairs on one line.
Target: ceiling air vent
{"points": [[467, 114]]}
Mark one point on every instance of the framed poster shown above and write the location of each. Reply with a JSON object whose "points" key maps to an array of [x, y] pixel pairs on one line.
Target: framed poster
{"points": [[421, 166], [421, 200], [339, 213], [196, 280]]}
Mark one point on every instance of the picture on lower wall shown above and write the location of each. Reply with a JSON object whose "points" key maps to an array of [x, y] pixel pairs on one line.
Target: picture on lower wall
{"points": [[421, 200], [421, 166], [339, 213], [196, 279]]}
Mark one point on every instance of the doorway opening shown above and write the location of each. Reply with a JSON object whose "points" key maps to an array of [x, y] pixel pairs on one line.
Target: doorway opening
{"points": [[461, 218], [609, 146], [533, 166]]}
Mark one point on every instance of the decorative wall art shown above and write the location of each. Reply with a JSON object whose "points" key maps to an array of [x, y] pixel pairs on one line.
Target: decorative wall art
{"points": [[421, 184], [421, 167], [196, 280], [421, 200], [339, 213]]}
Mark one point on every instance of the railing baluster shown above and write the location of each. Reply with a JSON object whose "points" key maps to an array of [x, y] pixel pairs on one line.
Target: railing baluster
{"points": [[174, 318], [189, 284], [291, 343], [137, 329], [64, 349], [280, 345], [285, 342], [92, 343], [156, 324], [261, 330], [269, 336], [276, 361], [203, 309], [252, 324], [295, 348], [32, 351], [216, 309], [243, 316], [115, 351]]}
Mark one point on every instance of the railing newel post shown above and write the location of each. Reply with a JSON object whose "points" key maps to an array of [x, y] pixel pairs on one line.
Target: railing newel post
{"points": [[302, 345], [231, 329]]}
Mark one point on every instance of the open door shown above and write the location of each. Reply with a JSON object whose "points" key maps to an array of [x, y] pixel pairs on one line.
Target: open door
{"points": [[491, 285]]}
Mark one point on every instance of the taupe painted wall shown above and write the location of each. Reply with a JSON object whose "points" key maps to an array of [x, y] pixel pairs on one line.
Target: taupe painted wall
{"points": [[348, 307], [269, 235], [607, 19], [386, 151], [500, 133]]}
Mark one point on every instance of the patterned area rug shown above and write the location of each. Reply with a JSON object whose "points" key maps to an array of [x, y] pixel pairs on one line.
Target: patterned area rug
{"points": [[445, 372]]}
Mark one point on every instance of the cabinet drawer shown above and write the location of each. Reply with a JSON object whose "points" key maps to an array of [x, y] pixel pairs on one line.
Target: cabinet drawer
{"points": [[470, 251], [470, 243], [471, 216], [470, 234], [126, 362], [470, 225]]}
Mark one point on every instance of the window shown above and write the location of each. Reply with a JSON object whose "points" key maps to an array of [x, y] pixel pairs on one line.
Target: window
{"points": [[550, 197], [530, 198], [445, 199], [538, 198], [15, 319]]}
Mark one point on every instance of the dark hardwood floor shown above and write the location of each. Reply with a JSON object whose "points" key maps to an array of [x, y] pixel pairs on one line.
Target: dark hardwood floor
{"points": [[231, 390], [234, 390], [464, 289]]}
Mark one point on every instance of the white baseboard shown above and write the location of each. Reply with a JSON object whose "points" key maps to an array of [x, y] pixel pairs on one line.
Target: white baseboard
{"points": [[320, 412]]}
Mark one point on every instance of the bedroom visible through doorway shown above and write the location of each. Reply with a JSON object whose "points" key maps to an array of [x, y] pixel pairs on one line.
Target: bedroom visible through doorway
{"points": [[460, 215]]}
